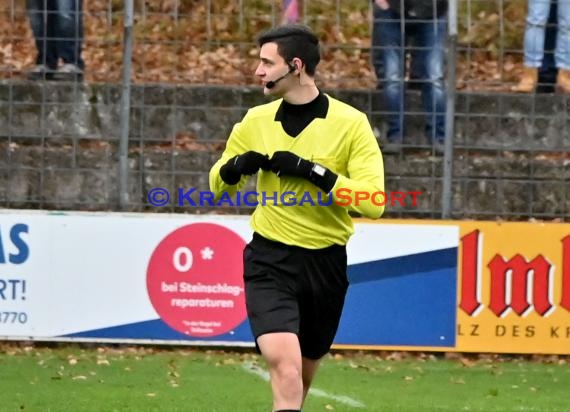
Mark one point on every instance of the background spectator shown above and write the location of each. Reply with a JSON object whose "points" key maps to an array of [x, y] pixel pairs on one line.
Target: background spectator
{"points": [[534, 45], [423, 24], [548, 71], [58, 30], [290, 12]]}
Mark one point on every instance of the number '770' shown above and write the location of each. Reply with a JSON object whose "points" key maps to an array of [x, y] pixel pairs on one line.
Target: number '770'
{"points": [[13, 317]]}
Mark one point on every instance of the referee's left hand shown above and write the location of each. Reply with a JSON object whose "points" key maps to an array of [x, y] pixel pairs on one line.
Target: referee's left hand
{"points": [[289, 164]]}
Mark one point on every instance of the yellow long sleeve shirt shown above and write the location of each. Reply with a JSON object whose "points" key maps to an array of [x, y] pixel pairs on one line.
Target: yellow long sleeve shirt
{"points": [[343, 142]]}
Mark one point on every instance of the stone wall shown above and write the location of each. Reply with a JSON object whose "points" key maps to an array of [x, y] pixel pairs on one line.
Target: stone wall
{"points": [[59, 147]]}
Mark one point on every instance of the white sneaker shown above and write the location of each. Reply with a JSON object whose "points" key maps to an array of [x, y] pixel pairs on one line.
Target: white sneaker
{"points": [[40, 72], [69, 72]]}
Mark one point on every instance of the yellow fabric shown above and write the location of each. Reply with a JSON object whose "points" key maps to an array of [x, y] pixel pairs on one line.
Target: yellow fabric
{"points": [[343, 142]]}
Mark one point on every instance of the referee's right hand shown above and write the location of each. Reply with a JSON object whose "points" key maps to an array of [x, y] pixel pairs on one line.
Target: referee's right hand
{"points": [[247, 163]]}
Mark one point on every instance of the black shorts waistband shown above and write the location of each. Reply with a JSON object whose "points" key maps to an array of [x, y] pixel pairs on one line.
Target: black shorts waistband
{"points": [[334, 248]]}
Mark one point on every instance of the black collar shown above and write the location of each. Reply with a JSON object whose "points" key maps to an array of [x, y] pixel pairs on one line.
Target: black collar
{"points": [[318, 107]]}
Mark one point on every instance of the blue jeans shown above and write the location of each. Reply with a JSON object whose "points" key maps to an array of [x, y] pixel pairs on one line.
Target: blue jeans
{"points": [[58, 30], [537, 16], [389, 38]]}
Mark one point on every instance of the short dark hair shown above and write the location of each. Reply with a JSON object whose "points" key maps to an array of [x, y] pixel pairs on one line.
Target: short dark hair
{"points": [[294, 40]]}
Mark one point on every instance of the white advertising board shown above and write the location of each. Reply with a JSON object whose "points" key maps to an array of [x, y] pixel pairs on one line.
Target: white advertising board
{"points": [[178, 279]]}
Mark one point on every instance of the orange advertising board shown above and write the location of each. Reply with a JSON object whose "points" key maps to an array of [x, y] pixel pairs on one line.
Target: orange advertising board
{"points": [[514, 288]]}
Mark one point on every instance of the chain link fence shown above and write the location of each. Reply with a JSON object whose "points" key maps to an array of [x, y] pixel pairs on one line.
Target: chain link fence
{"points": [[165, 80]]}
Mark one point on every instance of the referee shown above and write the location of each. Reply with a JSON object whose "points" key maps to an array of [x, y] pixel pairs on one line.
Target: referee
{"points": [[308, 144]]}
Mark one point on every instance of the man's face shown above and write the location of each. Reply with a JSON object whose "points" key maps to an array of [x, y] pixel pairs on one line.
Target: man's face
{"points": [[270, 68]]}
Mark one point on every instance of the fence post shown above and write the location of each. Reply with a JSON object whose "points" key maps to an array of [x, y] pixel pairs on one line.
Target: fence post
{"points": [[125, 105], [446, 197]]}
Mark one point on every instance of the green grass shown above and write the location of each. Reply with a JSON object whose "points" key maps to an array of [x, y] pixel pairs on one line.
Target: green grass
{"points": [[72, 378]]}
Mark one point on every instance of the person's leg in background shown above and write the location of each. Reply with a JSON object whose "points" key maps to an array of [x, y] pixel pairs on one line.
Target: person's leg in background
{"points": [[391, 38], [429, 50], [70, 39], [378, 67], [41, 14], [548, 71], [562, 51], [376, 52], [536, 19]]}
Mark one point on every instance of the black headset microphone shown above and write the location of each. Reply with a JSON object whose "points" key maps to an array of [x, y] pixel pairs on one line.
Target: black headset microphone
{"points": [[271, 84]]}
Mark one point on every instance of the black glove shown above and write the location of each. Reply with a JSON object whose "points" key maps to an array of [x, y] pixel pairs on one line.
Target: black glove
{"points": [[247, 163], [289, 164]]}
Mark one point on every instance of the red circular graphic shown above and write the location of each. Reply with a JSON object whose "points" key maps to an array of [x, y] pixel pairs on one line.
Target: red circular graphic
{"points": [[195, 280]]}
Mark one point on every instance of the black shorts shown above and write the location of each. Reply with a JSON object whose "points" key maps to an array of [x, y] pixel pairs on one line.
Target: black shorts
{"points": [[297, 290]]}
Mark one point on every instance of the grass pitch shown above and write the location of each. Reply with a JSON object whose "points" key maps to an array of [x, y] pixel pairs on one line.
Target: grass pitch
{"points": [[63, 378]]}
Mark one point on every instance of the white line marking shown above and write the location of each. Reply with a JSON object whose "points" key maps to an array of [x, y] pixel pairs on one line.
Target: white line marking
{"points": [[263, 374]]}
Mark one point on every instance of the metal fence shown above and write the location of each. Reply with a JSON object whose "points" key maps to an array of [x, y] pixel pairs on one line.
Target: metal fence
{"points": [[165, 80]]}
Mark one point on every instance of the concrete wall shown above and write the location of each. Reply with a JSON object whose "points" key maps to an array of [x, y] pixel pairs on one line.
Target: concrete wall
{"points": [[58, 147]]}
